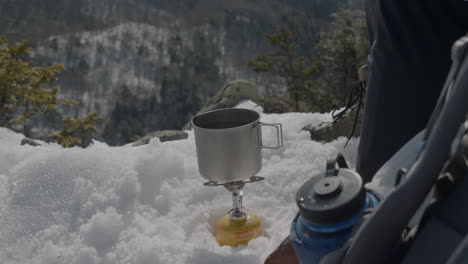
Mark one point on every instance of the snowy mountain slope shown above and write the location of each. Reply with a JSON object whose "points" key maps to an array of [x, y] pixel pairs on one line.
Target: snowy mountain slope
{"points": [[144, 204], [149, 65]]}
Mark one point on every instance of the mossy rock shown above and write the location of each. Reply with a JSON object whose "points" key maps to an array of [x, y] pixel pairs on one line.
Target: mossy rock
{"points": [[275, 105], [230, 96]]}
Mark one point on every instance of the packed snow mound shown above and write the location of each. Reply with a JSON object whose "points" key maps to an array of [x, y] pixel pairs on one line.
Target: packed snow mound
{"points": [[146, 204]]}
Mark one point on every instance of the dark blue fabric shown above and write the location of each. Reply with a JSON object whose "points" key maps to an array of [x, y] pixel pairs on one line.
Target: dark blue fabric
{"points": [[408, 63], [445, 226]]}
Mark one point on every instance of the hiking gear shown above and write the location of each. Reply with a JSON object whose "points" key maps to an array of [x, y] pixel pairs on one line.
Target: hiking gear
{"points": [[329, 131], [355, 94], [232, 230], [435, 158], [445, 219], [341, 125], [238, 226], [380, 234], [330, 205], [346, 120], [229, 144]]}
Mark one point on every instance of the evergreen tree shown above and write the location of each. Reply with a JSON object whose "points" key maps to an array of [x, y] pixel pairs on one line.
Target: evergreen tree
{"points": [[319, 82], [22, 92], [77, 131], [340, 52], [287, 64]]}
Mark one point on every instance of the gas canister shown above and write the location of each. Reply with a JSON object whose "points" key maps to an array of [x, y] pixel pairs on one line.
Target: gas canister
{"points": [[238, 230]]}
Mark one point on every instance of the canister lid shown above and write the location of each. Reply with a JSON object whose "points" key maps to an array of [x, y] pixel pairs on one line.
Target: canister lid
{"points": [[329, 199]]}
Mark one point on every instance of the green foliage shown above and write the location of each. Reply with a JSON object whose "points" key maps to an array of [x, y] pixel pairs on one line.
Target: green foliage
{"points": [[316, 84], [21, 85], [275, 104], [68, 102], [285, 63], [77, 132], [22, 95]]}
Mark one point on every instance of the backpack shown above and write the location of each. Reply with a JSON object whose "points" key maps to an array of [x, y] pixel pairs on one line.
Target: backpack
{"points": [[423, 217]]}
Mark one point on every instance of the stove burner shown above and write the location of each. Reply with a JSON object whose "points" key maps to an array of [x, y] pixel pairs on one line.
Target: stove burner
{"points": [[238, 226], [236, 189]]}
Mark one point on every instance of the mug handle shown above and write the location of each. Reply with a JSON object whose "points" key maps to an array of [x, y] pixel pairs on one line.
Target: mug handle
{"points": [[279, 135]]}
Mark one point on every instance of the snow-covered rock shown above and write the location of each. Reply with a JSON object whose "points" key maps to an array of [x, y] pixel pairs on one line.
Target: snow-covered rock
{"points": [[164, 135]]}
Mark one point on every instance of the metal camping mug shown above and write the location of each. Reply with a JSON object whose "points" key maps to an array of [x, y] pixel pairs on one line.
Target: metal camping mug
{"points": [[229, 144]]}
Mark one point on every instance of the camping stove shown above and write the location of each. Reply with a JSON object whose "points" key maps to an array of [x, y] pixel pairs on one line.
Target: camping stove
{"points": [[238, 226], [229, 147]]}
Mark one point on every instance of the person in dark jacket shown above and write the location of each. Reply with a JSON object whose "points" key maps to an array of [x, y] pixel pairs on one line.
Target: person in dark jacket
{"points": [[410, 44]]}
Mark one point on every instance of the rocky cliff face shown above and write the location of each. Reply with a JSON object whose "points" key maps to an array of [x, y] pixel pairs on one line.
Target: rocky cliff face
{"points": [[149, 65]]}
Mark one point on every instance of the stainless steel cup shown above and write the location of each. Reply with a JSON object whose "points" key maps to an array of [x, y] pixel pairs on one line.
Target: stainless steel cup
{"points": [[229, 143]]}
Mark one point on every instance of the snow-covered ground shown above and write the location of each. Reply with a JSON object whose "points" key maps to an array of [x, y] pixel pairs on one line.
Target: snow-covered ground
{"points": [[146, 204]]}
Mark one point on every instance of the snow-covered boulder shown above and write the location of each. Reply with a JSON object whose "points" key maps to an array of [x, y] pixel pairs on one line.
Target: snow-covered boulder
{"points": [[163, 135]]}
